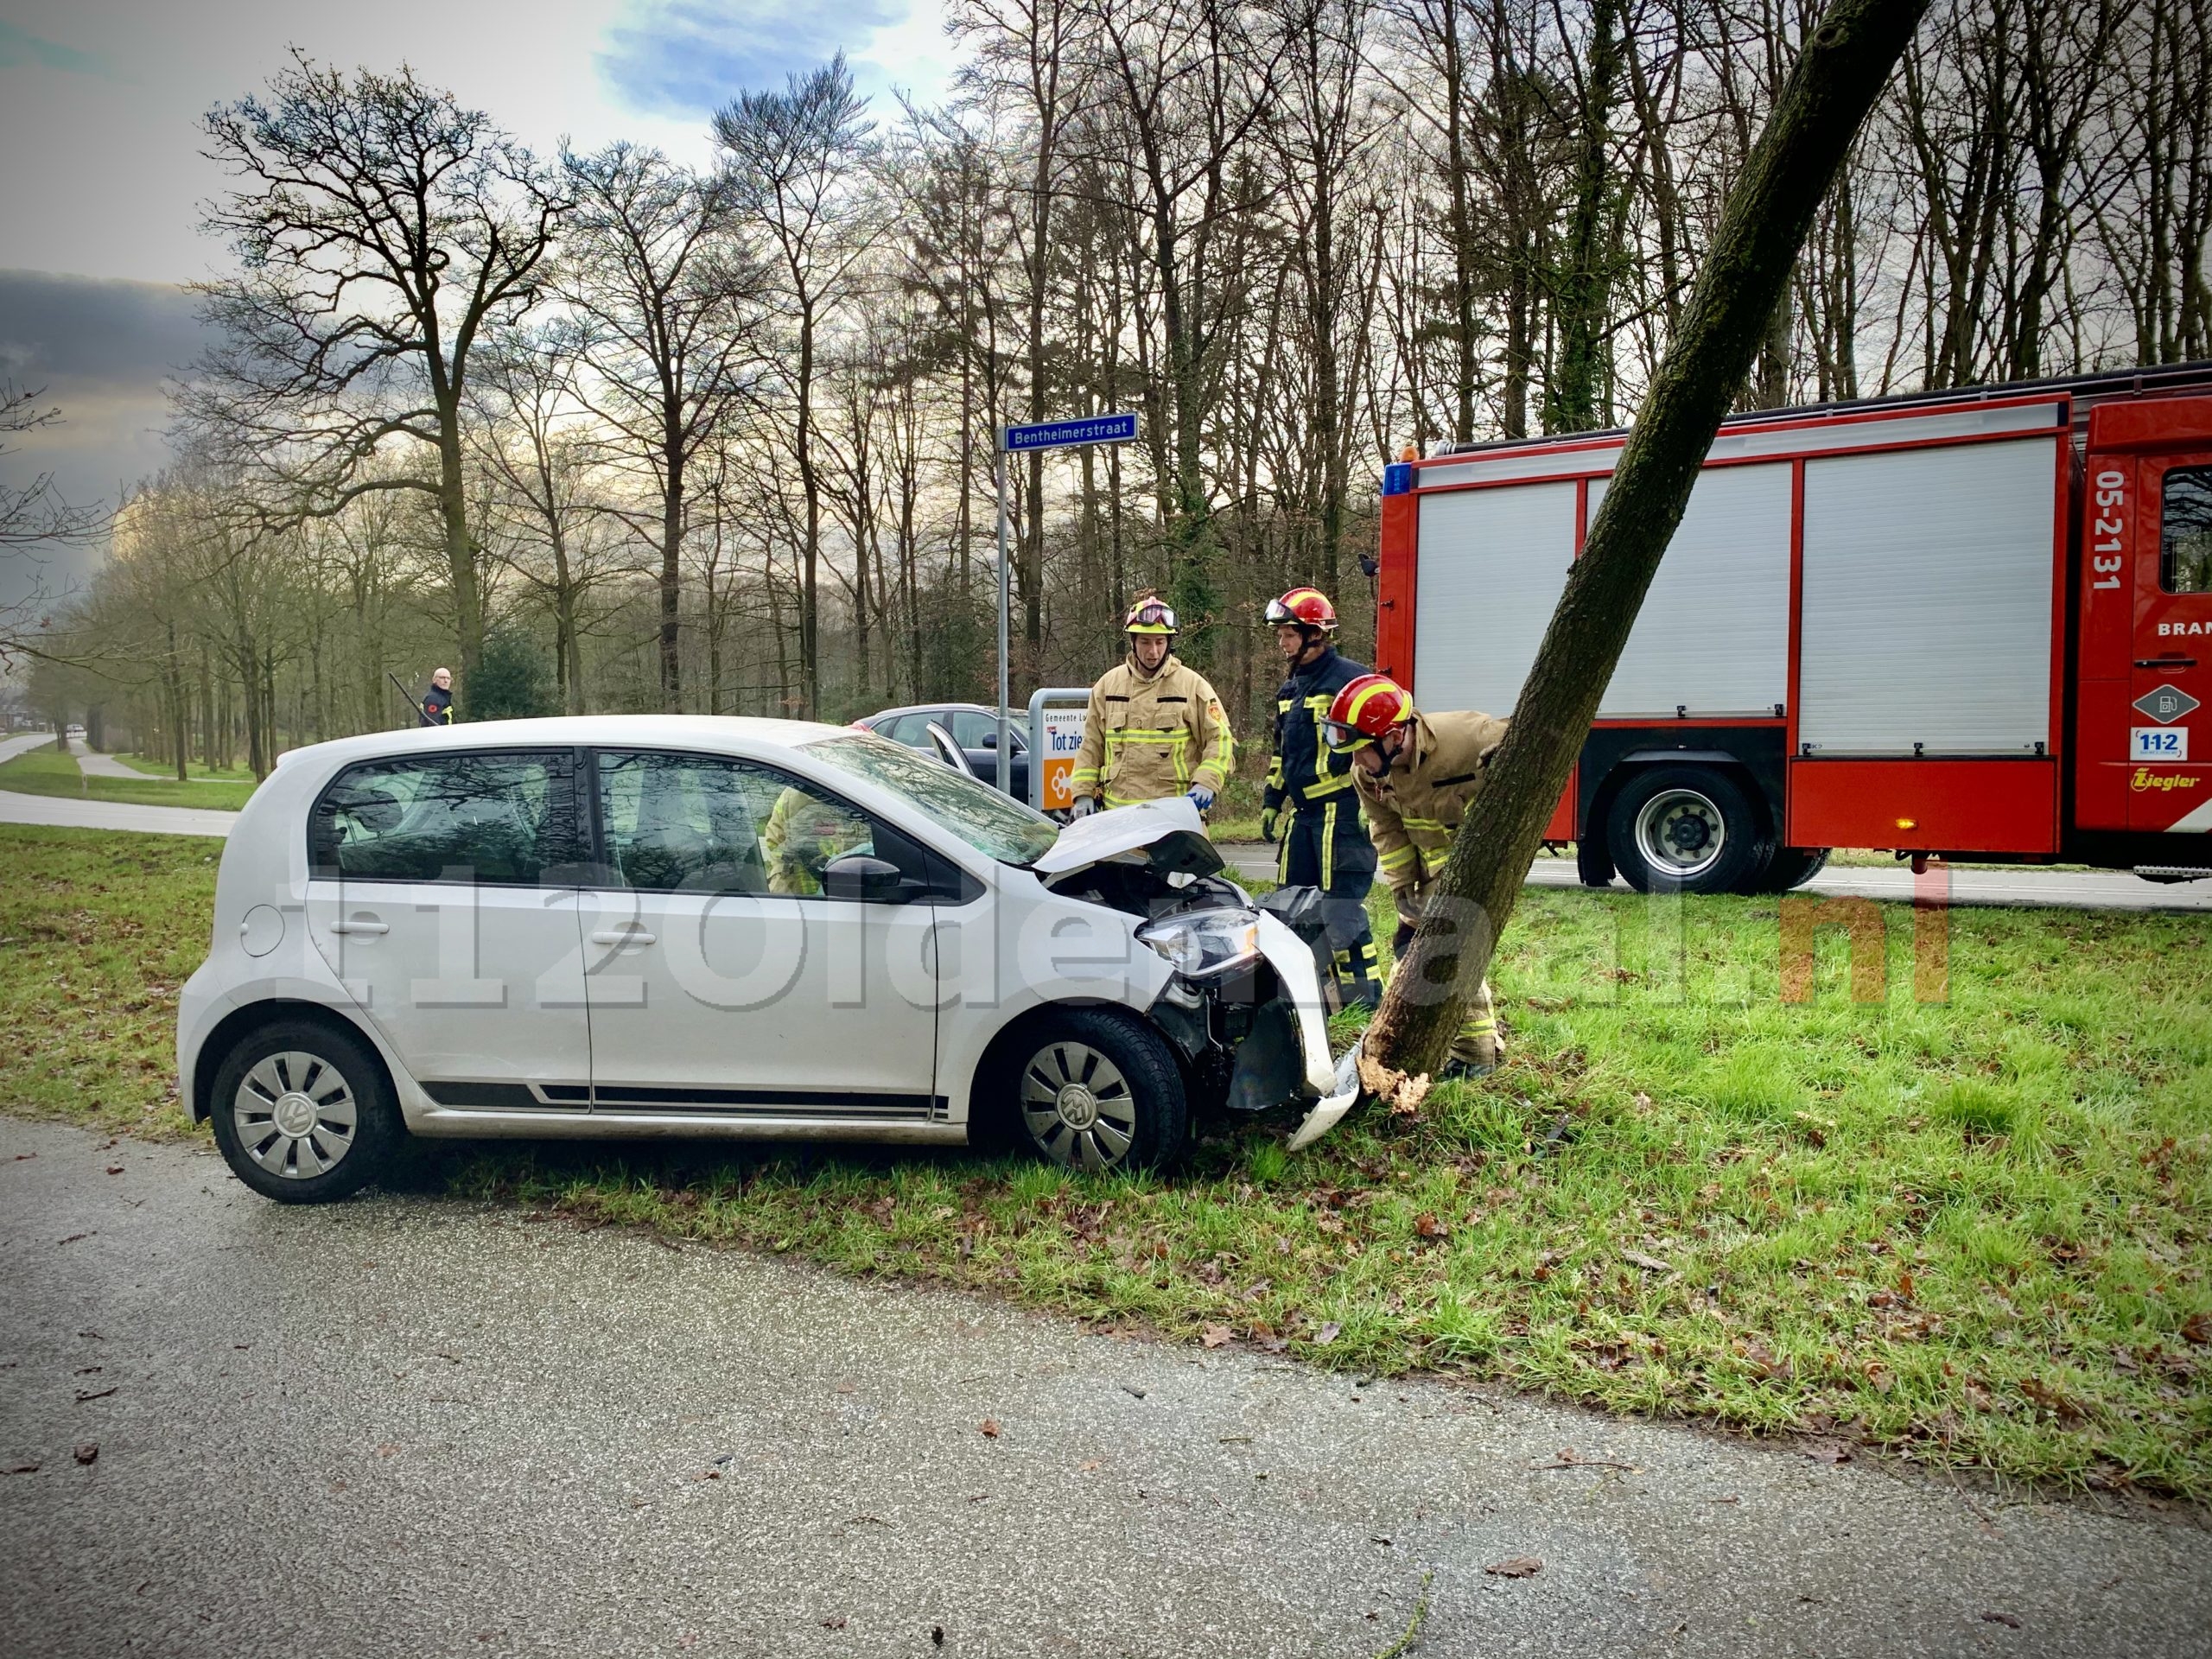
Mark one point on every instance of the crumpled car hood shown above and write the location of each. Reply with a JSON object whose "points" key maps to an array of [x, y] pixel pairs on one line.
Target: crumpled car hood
{"points": [[1168, 835]]}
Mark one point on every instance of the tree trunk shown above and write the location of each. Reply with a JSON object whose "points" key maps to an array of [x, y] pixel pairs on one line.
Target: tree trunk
{"points": [[1847, 59]]}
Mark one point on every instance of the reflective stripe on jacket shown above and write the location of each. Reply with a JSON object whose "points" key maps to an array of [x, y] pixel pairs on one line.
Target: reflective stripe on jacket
{"points": [[1413, 813], [1153, 735]]}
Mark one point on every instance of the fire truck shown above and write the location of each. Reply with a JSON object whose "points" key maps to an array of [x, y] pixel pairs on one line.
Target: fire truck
{"points": [[1966, 625]]}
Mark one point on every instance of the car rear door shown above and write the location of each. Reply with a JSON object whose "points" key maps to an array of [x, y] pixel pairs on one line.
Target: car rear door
{"points": [[442, 891], [722, 978]]}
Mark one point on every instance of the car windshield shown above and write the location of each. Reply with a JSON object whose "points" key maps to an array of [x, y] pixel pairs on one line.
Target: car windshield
{"points": [[986, 820]]}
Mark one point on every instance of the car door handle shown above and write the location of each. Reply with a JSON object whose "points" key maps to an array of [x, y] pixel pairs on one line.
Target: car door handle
{"points": [[2165, 662], [360, 924], [621, 935]]}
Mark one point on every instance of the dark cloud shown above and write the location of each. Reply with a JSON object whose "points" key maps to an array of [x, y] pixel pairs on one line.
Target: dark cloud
{"points": [[690, 57], [101, 352], [93, 333]]}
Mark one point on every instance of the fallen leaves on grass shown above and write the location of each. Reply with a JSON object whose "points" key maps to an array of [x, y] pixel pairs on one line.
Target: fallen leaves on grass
{"points": [[1216, 1336], [1327, 1334], [1514, 1566], [1827, 1450], [1648, 1263]]}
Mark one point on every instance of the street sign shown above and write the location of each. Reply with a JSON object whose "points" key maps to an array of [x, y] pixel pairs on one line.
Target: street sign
{"points": [[1057, 717], [1068, 434], [1027, 440], [2166, 704]]}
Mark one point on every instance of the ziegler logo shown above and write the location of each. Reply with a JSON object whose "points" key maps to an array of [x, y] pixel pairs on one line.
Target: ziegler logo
{"points": [[2146, 779]]}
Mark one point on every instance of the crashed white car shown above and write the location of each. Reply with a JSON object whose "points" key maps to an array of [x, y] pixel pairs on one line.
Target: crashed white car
{"points": [[660, 925]]}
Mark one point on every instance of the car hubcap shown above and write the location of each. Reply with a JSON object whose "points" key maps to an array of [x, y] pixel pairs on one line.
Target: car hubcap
{"points": [[294, 1113], [1078, 1106], [1681, 833]]}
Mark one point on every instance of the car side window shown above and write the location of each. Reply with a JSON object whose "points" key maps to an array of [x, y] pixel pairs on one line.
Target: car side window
{"points": [[970, 729], [502, 820], [699, 823], [912, 730], [2185, 530]]}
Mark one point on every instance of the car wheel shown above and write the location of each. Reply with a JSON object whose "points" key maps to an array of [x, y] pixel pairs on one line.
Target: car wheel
{"points": [[1097, 1089], [1685, 829], [1793, 867], [304, 1113]]}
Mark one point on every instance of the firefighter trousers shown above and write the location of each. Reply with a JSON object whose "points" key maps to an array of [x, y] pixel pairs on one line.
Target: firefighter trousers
{"points": [[1477, 1046], [1327, 846]]}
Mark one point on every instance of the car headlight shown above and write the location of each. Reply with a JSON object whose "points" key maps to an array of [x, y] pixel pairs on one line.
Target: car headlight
{"points": [[1205, 944]]}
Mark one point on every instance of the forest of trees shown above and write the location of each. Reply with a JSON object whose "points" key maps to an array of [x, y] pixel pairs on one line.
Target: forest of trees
{"points": [[607, 433]]}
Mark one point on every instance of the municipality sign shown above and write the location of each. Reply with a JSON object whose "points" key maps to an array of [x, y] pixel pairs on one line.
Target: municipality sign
{"points": [[1068, 434]]}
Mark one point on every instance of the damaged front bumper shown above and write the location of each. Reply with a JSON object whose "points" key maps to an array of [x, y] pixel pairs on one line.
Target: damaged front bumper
{"points": [[1280, 1050]]}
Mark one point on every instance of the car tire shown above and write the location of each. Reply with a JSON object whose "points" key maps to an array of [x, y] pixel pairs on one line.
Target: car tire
{"points": [[1792, 866], [1686, 830], [1095, 1090], [304, 1113]]}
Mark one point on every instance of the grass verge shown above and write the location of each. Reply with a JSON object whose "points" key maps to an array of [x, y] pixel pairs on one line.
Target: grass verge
{"points": [[194, 771], [44, 771], [1974, 1231]]}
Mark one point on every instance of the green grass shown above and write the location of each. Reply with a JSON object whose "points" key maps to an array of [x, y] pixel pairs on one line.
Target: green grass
{"points": [[1975, 1232], [44, 771]]}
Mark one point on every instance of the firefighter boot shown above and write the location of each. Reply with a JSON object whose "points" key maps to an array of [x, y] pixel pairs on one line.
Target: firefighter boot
{"points": [[1359, 975], [1477, 1048]]}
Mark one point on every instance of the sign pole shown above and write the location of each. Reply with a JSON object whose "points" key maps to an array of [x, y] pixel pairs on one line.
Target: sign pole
{"points": [[1005, 591], [1020, 439]]}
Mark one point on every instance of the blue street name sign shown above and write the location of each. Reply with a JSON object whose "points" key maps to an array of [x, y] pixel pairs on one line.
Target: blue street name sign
{"points": [[1068, 434]]}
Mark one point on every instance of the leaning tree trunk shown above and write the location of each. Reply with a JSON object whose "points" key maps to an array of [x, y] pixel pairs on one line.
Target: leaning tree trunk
{"points": [[1846, 61]]}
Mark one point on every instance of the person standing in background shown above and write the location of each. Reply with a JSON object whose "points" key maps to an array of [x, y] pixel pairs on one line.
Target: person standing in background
{"points": [[438, 701]]}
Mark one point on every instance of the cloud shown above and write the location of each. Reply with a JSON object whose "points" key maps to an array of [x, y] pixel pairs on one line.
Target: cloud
{"points": [[18, 46], [100, 351], [690, 57]]}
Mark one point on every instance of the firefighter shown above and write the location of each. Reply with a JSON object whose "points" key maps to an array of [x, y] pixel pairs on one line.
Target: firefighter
{"points": [[1417, 775], [1155, 728], [1325, 843]]}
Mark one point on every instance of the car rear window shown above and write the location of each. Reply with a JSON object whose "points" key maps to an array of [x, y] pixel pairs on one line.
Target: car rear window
{"points": [[501, 819]]}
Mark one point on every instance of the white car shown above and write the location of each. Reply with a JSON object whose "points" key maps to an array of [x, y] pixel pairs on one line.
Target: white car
{"points": [[661, 925]]}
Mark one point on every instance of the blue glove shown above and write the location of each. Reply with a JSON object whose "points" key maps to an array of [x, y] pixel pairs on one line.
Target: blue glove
{"points": [[1201, 797]]}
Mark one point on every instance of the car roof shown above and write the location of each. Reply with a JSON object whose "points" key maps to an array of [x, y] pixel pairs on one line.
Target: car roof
{"points": [[700, 731], [1015, 716]]}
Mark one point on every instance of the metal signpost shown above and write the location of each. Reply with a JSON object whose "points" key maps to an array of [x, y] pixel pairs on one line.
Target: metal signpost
{"points": [[1020, 441]]}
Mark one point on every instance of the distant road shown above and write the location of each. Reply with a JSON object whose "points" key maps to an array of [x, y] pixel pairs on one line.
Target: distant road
{"points": [[61, 810], [2024, 886]]}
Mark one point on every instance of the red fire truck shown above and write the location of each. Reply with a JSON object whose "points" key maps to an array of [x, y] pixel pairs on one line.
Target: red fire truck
{"points": [[1976, 625]]}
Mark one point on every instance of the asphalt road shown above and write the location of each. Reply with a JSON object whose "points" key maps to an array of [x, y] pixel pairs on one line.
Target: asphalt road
{"points": [[2022, 885], [417, 1425]]}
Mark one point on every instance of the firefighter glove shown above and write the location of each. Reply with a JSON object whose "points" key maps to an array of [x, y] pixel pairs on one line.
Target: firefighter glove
{"points": [[1268, 824], [1085, 805], [1201, 797]]}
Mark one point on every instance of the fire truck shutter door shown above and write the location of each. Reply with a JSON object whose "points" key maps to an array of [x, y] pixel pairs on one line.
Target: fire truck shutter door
{"points": [[1713, 638], [1928, 600], [1493, 563]]}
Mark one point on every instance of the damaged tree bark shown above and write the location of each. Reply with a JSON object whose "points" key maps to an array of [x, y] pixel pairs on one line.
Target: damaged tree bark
{"points": [[1846, 61]]}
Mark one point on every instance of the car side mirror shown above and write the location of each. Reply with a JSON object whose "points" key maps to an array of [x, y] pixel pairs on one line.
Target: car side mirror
{"points": [[990, 740], [866, 877]]}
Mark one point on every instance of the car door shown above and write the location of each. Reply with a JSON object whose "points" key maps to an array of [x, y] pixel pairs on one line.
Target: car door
{"points": [[723, 976], [976, 733], [2170, 732], [442, 891]]}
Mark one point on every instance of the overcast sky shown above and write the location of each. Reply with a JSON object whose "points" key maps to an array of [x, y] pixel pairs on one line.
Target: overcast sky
{"points": [[103, 176]]}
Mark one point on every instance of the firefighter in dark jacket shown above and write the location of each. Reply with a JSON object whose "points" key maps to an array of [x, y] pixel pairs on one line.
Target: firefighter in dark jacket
{"points": [[1309, 799]]}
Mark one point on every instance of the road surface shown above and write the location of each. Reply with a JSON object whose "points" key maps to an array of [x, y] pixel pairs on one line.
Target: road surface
{"points": [[94, 765], [420, 1425], [2072, 889], [2079, 889]]}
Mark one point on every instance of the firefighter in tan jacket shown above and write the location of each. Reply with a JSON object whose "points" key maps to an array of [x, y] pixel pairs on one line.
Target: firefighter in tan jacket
{"points": [[1155, 727], [1416, 774]]}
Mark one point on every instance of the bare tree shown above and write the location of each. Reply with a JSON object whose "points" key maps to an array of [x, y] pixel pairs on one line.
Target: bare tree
{"points": [[379, 228], [792, 157]]}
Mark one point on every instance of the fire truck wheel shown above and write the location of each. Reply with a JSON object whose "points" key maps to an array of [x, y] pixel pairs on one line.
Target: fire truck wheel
{"points": [[1793, 867], [1685, 829]]}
